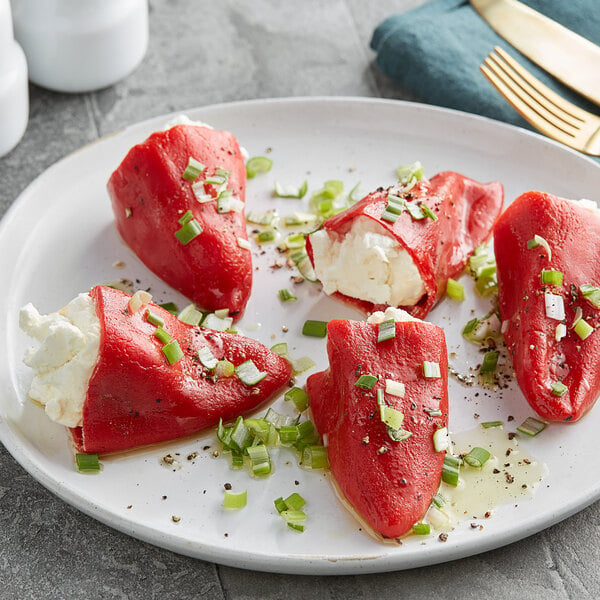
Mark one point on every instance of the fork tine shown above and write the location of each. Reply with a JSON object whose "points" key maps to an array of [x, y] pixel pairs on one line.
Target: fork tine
{"points": [[525, 110], [529, 96], [551, 96]]}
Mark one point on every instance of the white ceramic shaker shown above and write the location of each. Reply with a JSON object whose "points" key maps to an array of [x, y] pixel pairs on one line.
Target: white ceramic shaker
{"points": [[81, 45], [14, 93]]}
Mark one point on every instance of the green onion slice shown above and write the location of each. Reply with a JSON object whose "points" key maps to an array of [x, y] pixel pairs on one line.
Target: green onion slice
{"points": [[260, 459], [207, 358], [188, 215], [188, 232], [591, 294], [154, 319], [302, 364], [386, 330], [428, 212], [87, 463], [172, 351], [366, 381], [190, 315], [489, 363], [538, 240], [551, 277], [235, 500], [193, 169], [286, 296], [451, 469], [431, 370], [315, 328], [477, 457], [261, 218], [249, 373], [395, 388], [164, 336], [280, 348], [490, 424], [531, 426], [170, 307], [266, 236], [291, 191], [390, 416], [558, 388], [406, 173], [258, 164], [299, 397], [438, 500], [440, 439], [315, 457], [415, 211], [421, 529], [583, 329], [455, 290]]}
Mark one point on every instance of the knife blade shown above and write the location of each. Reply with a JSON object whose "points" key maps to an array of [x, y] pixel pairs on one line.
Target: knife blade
{"points": [[569, 57]]}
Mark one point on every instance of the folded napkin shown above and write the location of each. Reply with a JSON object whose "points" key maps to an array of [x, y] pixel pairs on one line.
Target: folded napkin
{"points": [[435, 51]]}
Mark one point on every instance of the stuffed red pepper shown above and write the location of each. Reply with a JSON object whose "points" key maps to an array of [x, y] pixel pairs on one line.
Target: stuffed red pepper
{"points": [[382, 406], [398, 247], [121, 372], [548, 260], [178, 200]]}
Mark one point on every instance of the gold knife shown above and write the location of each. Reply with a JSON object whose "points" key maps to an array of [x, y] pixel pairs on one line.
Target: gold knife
{"points": [[571, 58]]}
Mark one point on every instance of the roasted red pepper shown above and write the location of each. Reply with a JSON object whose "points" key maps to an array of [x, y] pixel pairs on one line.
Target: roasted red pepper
{"points": [[544, 364], [389, 483], [464, 213], [150, 196], [135, 397]]}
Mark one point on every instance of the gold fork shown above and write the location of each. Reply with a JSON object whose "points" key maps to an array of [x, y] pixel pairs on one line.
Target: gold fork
{"points": [[544, 109]]}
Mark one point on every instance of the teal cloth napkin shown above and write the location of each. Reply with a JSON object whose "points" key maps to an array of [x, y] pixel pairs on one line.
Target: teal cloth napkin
{"points": [[435, 51]]}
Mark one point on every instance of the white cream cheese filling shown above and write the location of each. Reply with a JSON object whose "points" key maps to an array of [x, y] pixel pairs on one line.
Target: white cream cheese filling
{"points": [[69, 343], [367, 263]]}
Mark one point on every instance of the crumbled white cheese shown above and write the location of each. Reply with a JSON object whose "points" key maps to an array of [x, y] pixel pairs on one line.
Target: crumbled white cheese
{"points": [[366, 263], [65, 359], [589, 205], [390, 312]]}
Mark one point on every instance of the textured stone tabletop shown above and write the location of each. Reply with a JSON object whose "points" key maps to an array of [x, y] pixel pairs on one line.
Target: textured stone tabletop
{"points": [[202, 53]]}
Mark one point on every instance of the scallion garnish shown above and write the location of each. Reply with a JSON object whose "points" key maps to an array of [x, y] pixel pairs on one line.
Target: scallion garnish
{"points": [[591, 294], [264, 218], [260, 459], [583, 329], [531, 426], [551, 277], [187, 216], [415, 211], [455, 290], [154, 319], [280, 348], [451, 469], [440, 439], [538, 240], [438, 500], [302, 364], [393, 209], [172, 351], [406, 173], [190, 315], [386, 330], [558, 388], [300, 258], [366, 381], [555, 306], [241, 437], [258, 164], [207, 358], [428, 212], [561, 332], [489, 363], [291, 191], [286, 296], [188, 232], [244, 243], [489, 424], [295, 241], [300, 218], [266, 236], [224, 368], [477, 457], [315, 456], [235, 500], [315, 328], [193, 169], [421, 529], [248, 373], [163, 335], [140, 299], [87, 463], [170, 307], [392, 417], [299, 397], [395, 388], [431, 370]]}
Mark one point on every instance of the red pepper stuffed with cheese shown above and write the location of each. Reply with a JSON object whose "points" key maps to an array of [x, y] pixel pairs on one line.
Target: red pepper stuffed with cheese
{"points": [[121, 373], [178, 200], [379, 405], [398, 247], [548, 266]]}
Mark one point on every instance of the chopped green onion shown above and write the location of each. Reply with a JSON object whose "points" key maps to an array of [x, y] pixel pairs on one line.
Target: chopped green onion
{"points": [[304, 363], [440, 440], [583, 329], [366, 381], [558, 388], [415, 211], [300, 258], [235, 501], [386, 330], [315, 328], [266, 236], [395, 388], [224, 368], [531, 426], [172, 351], [280, 504], [421, 529], [551, 277], [261, 218], [438, 500], [356, 193], [224, 201], [241, 436], [489, 363], [398, 435], [406, 173], [555, 306], [193, 169], [470, 327], [207, 358], [489, 424], [237, 460], [299, 397], [451, 469], [258, 164], [163, 335], [538, 240], [291, 191], [477, 457], [286, 296], [431, 370], [455, 290], [259, 459], [288, 434], [87, 463], [300, 218], [315, 457], [390, 416], [280, 348], [428, 212], [190, 315], [295, 241], [295, 501], [249, 374], [591, 294], [561, 332], [154, 319], [170, 307], [188, 232], [433, 412], [188, 215], [212, 321]]}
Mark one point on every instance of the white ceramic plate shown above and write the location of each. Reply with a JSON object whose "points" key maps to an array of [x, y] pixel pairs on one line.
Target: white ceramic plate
{"points": [[58, 239]]}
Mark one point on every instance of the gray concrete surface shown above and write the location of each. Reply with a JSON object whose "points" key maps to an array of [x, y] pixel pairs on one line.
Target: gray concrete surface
{"points": [[200, 53]]}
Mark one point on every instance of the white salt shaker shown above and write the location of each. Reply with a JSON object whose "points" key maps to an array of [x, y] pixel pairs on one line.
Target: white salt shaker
{"points": [[14, 93], [81, 45]]}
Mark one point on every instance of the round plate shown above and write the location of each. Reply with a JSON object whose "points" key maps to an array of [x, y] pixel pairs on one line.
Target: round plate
{"points": [[58, 239]]}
